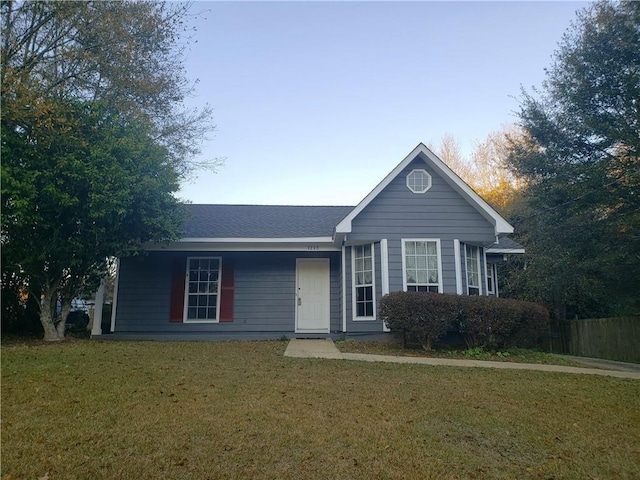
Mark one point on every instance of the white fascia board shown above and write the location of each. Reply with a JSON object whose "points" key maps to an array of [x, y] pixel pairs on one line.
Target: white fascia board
{"points": [[257, 240], [345, 225], [306, 244], [505, 250], [500, 224]]}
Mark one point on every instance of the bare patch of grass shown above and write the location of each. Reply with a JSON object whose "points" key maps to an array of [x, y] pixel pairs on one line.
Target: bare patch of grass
{"points": [[517, 355], [148, 410]]}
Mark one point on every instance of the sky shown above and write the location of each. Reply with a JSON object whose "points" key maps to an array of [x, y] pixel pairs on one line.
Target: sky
{"points": [[316, 102]]}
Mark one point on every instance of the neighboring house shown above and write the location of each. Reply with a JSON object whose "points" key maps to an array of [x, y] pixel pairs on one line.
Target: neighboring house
{"points": [[252, 271]]}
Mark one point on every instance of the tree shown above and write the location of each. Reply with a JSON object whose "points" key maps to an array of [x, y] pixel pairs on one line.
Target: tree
{"points": [[580, 212], [94, 140], [83, 185], [127, 54], [492, 178], [449, 152]]}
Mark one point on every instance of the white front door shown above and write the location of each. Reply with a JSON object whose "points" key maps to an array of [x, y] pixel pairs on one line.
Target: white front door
{"points": [[312, 295]]}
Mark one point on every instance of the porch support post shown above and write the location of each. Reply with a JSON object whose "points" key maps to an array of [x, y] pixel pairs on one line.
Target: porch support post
{"points": [[344, 290], [458, 261], [96, 327], [114, 304]]}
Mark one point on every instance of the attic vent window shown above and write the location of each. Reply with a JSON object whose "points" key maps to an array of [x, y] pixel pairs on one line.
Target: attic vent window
{"points": [[418, 181]]}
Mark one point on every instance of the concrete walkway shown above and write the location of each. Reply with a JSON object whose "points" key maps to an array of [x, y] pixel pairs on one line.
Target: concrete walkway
{"points": [[326, 349]]}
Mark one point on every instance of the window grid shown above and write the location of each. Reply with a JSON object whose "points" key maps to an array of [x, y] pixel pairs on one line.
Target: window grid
{"points": [[491, 278], [363, 281], [473, 270], [418, 181], [203, 289], [421, 266]]}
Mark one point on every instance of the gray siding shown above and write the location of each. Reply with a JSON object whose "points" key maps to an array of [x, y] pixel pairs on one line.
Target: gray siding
{"points": [[440, 213], [264, 299]]}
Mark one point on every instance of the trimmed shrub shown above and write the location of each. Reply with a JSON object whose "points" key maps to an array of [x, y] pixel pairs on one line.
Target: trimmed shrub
{"points": [[482, 321], [418, 316]]}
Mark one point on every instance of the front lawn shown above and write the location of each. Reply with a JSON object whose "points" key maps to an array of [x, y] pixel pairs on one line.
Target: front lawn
{"points": [[199, 410]]}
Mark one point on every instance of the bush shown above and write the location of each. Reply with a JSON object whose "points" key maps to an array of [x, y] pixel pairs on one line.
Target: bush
{"points": [[482, 321], [421, 317]]}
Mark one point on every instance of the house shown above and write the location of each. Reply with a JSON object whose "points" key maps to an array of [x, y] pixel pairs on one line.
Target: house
{"points": [[260, 271]]}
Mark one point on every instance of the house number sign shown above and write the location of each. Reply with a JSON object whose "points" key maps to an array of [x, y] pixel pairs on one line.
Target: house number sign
{"points": [[313, 248]]}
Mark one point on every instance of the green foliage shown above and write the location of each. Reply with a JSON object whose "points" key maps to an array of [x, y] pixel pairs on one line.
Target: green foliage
{"points": [[80, 183], [580, 211], [482, 321], [500, 322], [421, 317], [94, 139]]}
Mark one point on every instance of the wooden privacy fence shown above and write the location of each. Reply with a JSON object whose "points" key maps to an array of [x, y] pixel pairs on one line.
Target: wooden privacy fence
{"points": [[615, 338]]}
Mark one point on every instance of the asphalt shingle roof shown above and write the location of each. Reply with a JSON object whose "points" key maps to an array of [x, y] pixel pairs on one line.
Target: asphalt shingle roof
{"points": [[505, 243], [261, 221]]}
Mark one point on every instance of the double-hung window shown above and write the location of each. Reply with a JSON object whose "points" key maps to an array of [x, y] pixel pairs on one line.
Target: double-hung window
{"points": [[421, 265], [363, 282], [472, 255], [202, 302], [491, 278]]}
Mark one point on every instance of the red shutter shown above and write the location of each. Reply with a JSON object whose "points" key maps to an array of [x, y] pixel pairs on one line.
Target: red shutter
{"points": [[178, 275], [227, 289]]}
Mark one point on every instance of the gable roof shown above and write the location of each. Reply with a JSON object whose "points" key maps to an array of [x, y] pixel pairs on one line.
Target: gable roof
{"points": [[260, 221], [421, 151]]}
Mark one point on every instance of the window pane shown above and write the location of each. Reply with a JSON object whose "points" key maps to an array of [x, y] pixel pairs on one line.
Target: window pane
{"points": [[421, 248], [191, 313], [369, 309], [368, 294], [410, 248], [202, 312], [367, 264]]}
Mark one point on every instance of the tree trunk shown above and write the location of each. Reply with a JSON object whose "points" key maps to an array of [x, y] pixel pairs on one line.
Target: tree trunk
{"points": [[47, 315], [62, 322], [46, 319]]}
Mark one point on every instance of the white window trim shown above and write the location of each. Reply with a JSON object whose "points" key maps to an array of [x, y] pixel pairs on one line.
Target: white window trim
{"points": [[354, 308], [427, 175], [466, 256], [458, 264], [404, 260], [186, 292], [384, 273]]}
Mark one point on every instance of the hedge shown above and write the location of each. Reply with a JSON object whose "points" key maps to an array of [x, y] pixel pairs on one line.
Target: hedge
{"points": [[482, 321]]}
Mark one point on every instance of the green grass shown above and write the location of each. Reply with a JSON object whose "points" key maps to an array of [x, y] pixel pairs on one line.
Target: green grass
{"points": [[149, 410], [511, 355]]}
